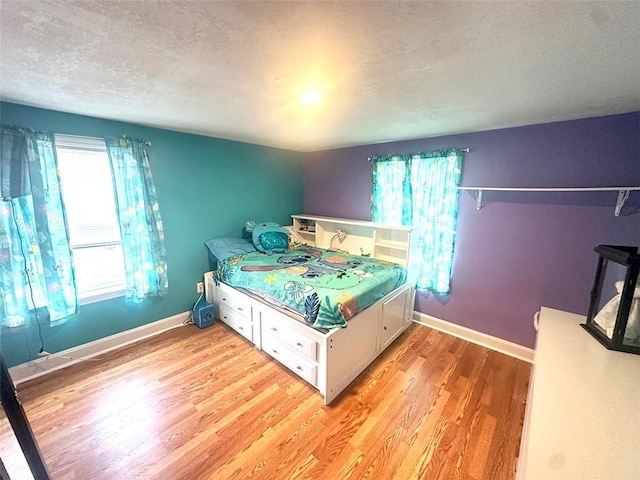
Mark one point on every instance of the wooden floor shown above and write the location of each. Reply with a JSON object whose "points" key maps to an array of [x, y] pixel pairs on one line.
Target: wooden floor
{"points": [[204, 404]]}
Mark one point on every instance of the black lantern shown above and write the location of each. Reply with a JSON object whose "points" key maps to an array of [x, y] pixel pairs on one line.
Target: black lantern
{"points": [[614, 311]]}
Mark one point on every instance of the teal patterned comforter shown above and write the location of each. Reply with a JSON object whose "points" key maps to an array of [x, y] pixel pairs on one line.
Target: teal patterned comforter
{"points": [[327, 287]]}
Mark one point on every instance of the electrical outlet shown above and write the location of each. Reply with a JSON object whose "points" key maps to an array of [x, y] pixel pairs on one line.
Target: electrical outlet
{"points": [[200, 287]]}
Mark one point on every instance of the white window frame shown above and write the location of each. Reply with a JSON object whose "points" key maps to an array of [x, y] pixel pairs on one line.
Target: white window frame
{"points": [[89, 144]]}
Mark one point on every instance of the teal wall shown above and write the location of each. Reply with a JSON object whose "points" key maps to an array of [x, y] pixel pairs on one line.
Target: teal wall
{"points": [[207, 187]]}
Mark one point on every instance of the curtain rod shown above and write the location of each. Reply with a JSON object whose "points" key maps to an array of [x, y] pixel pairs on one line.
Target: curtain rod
{"points": [[466, 150]]}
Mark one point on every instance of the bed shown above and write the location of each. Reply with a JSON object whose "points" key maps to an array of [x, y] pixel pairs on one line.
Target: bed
{"points": [[324, 313]]}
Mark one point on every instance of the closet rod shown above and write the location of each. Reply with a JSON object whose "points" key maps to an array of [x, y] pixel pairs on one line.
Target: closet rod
{"points": [[465, 150]]}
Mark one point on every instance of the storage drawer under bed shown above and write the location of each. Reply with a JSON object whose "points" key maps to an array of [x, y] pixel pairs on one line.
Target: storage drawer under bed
{"points": [[297, 342], [233, 300], [238, 322], [290, 359]]}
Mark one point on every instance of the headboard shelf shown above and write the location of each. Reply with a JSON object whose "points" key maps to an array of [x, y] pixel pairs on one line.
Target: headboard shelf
{"points": [[384, 242]]}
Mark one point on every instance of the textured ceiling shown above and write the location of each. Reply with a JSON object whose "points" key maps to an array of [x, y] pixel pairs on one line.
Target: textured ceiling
{"points": [[386, 70]]}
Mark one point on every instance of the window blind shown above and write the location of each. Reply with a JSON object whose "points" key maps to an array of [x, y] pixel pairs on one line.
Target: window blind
{"points": [[88, 191]]}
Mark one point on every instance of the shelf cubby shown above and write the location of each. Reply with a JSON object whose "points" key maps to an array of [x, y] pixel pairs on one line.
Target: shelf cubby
{"points": [[384, 242]]}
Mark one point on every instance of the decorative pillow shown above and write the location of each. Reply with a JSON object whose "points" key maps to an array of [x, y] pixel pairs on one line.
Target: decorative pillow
{"points": [[225, 247], [274, 242], [268, 237]]}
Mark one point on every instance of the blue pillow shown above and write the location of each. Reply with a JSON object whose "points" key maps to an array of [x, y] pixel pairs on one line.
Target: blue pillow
{"points": [[222, 248]]}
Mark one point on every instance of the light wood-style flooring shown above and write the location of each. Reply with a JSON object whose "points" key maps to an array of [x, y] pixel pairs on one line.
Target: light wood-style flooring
{"points": [[204, 404]]}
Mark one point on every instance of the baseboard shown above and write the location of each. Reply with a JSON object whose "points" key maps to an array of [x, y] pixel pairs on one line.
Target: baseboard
{"points": [[45, 365], [56, 361], [488, 341]]}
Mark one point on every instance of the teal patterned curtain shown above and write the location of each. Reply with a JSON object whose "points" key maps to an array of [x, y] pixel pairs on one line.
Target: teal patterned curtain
{"points": [[391, 201], [421, 190], [145, 257], [36, 266]]}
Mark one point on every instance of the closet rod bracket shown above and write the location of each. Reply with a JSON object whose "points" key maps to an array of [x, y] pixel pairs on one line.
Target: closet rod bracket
{"points": [[622, 197], [479, 200]]}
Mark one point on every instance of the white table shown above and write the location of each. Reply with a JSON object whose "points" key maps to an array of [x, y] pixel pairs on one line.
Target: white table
{"points": [[583, 412]]}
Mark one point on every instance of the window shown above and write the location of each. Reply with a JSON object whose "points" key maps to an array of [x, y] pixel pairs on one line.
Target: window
{"points": [[87, 191]]}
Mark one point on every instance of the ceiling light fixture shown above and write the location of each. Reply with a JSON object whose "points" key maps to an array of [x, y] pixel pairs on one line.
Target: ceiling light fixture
{"points": [[310, 97]]}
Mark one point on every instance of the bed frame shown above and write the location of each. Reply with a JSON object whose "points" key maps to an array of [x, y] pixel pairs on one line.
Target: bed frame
{"points": [[331, 360]]}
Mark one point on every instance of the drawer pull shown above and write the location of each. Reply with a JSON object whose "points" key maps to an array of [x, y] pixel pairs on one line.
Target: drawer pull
{"points": [[299, 368], [240, 327], [225, 317], [385, 327], [224, 299], [274, 329], [299, 344], [275, 351], [241, 309]]}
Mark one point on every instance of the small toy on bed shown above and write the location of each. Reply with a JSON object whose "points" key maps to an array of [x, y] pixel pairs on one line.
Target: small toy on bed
{"points": [[268, 237]]}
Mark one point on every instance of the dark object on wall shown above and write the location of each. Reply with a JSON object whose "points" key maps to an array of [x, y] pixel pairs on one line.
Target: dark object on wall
{"points": [[615, 320], [20, 425]]}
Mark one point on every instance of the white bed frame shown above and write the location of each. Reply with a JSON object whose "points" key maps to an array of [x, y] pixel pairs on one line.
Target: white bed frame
{"points": [[328, 361]]}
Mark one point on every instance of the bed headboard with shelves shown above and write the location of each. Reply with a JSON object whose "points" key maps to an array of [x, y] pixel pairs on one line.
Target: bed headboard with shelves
{"points": [[384, 242]]}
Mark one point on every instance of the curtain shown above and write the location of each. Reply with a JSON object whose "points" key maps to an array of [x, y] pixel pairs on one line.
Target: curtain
{"points": [[139, 218], [392, 190], [421, 190], [36, 263]]}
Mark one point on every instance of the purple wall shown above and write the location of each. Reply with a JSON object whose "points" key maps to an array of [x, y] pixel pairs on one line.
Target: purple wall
{"points": [[521, 250]]}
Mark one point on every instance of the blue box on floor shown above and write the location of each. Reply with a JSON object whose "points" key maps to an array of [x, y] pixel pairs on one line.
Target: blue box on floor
{"points": [[204, 314]]}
